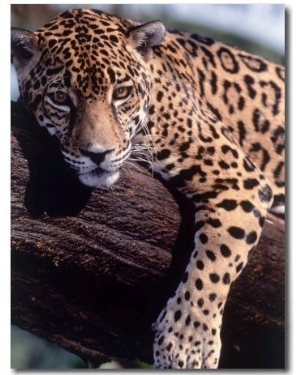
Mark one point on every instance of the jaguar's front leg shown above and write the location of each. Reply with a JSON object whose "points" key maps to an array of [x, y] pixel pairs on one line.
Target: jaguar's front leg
{"points": [[231, 197], [188, 328]]}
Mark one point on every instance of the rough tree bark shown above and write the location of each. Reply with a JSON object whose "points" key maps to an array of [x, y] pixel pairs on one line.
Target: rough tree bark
{"points": [[92, 269]]}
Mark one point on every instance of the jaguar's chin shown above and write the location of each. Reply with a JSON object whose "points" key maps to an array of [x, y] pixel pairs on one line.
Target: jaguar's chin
{"points": [[99, 177]]}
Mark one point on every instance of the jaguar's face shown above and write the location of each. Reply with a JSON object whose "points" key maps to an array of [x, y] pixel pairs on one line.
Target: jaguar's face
{"points": [[85, 78], [95, 129]]}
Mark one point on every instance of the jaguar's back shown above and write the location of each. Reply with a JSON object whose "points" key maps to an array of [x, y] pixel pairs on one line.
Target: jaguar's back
{"points": [[244, 91]]}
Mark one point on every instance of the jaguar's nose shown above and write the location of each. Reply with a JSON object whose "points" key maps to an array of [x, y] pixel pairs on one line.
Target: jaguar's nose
{"points": [[96, 156]]}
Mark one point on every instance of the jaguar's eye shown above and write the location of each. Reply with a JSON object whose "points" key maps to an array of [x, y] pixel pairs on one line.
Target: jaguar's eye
{"points": [[122, 93], [60, 98]]}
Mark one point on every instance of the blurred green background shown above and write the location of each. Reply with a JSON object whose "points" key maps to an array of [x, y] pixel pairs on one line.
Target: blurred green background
{"points": [[257, 28]]}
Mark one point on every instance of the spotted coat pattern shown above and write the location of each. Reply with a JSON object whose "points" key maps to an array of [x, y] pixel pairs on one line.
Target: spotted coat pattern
{"points": [[207, 117]]}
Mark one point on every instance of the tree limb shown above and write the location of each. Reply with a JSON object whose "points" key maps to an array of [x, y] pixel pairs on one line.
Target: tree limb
{"points": [[91, 269]]}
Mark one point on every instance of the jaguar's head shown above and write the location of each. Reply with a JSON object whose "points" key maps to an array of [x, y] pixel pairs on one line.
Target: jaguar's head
{"points": [[85, 77]]}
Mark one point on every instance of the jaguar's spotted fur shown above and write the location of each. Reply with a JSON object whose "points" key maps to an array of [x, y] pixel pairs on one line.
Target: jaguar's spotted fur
{"points": [[212, 116]]}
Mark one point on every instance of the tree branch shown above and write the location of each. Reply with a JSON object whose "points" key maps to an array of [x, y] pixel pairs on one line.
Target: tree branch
{"points": [[91, 269]]}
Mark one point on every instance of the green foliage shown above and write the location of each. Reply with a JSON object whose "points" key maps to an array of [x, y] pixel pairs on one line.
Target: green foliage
{"points": [[142, 365], [31, 352]]}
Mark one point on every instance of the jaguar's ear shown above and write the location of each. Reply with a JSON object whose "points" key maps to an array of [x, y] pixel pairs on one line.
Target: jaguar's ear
{"points": [[24, 46], [146, 36]]}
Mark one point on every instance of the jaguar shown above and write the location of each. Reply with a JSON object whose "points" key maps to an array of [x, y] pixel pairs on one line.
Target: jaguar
{"points": [[206, 117]]}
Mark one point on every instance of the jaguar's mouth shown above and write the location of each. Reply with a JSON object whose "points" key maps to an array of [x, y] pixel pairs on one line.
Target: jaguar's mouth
{"points": [[98, 171], [99, 177]]}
